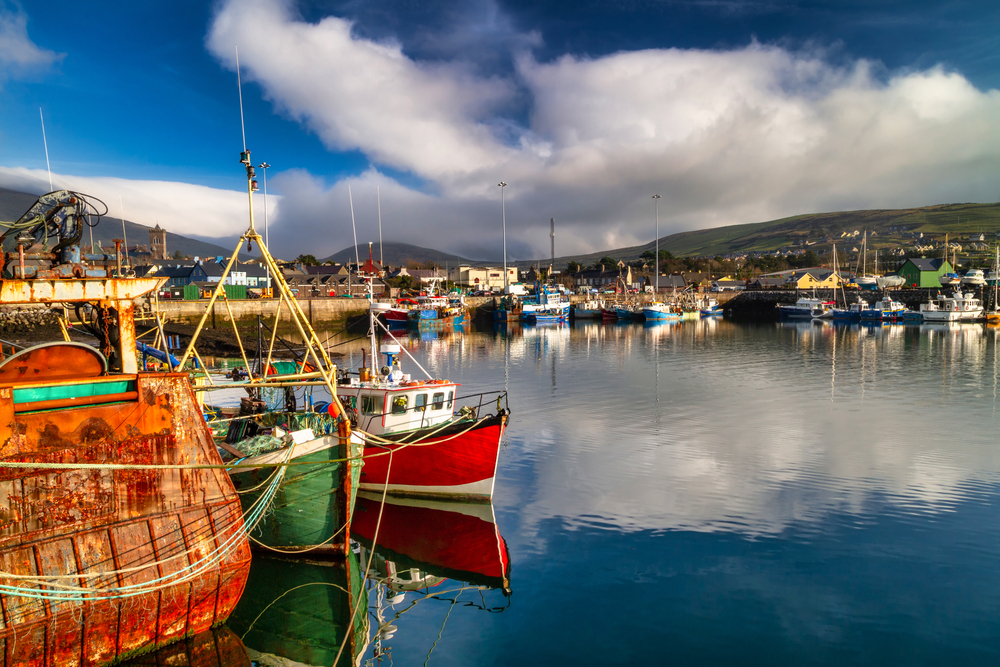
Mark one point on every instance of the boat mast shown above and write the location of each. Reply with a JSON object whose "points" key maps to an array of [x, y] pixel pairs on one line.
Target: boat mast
{"points": [[656, 258]]}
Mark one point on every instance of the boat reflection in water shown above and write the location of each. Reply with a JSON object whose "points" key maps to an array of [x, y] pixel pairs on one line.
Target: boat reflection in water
{"points": [[420, 546], [299, 612], [220, 647]]}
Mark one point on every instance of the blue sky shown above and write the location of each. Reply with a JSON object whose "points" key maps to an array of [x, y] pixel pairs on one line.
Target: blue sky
{"points": [[733, 111]]}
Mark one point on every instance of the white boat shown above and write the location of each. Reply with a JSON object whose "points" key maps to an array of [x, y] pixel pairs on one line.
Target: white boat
{"points": [[892, 280], [974, 277], [950, 279], [956, 308], [804, 308], [885, 310]]}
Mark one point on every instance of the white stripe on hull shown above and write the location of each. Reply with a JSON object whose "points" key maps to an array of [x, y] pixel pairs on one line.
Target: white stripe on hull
{"points": [[481, 490]]}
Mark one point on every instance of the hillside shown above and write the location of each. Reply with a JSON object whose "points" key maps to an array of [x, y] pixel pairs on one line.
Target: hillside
{"points": [[890, 226], [397, 254], [13, 204]]}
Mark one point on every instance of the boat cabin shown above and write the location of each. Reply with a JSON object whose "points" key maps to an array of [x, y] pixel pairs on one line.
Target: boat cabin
{"points": [[383, 407]]}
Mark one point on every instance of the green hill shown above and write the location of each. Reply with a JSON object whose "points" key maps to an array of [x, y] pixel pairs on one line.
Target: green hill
{"points": [[398, 254], [892, 228]]}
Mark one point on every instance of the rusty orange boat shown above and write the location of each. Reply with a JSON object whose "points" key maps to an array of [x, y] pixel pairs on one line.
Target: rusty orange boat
{"points": [[119, 530]]}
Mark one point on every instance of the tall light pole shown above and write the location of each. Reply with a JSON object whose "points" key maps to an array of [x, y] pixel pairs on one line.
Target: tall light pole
{"points": [[264, 167], [656, 260], [503, 212]]}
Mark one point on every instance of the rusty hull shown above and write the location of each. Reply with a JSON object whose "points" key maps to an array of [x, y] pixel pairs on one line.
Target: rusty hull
{"points": [[114, 522]]}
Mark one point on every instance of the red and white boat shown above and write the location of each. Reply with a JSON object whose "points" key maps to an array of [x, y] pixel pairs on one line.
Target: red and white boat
{"points": [[419, 438]]}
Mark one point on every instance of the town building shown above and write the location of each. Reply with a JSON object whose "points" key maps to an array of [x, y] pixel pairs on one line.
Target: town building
{"points": [[924, 272]]}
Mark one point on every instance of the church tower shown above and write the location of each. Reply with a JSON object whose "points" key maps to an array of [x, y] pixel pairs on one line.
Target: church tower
{"points": [[158, 242]]}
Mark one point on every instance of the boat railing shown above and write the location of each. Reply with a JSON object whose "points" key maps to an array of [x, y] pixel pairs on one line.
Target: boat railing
{"points": [[471, 406]]}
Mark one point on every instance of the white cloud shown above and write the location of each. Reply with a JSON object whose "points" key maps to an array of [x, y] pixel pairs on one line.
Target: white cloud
{"points": [[18, 54], [733, 136], [181, 208]]}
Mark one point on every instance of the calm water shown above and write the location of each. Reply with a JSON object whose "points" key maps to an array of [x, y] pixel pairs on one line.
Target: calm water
{"points": [[712, 493]]}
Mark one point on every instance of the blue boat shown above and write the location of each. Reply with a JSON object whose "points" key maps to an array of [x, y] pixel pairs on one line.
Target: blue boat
{"points": [[661, 312]]}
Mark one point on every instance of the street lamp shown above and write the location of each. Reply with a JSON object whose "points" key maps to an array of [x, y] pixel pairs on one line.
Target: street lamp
{"points": [[503, 212], [264, 167], [656, 259]]}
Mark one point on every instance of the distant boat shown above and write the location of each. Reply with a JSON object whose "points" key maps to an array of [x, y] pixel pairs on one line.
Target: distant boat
{"points": [[886, 310], [661, 312], [957, 308], [974, 277], [588, 310], [804, 308]]}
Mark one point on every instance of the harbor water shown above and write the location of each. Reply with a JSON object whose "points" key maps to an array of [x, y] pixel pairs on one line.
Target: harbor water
{"points": [[703, 493]]}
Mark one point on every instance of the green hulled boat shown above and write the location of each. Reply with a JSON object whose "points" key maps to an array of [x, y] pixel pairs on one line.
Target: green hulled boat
{"points": [[312, 508]]}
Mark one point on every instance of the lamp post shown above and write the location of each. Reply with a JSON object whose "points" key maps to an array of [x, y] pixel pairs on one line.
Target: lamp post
{"points": [[656, 259], [503, 213], [264, 167]]}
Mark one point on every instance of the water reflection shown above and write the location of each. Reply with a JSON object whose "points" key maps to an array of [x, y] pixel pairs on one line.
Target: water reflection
{"points": [[427, 556], [302, 612]]}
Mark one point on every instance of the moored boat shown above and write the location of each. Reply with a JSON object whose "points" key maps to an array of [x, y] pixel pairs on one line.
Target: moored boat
{"points": [[661, 311], [121, 531], [804, 308], [960, 307]]}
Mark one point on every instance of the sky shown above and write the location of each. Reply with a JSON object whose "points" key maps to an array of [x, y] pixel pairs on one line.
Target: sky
{"points": [[734, 111]]}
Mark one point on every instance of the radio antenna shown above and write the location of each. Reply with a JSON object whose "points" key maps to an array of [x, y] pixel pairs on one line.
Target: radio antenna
{"points": [[45, 142], [239, 86]]}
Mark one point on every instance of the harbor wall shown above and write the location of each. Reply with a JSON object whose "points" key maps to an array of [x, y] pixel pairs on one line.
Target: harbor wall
{"points": [[323, 309]]}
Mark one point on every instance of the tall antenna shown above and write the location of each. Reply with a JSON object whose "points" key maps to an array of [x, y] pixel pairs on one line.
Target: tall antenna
{"points": [[381, 257], [45, 142], [552, 234], [239, 85], [124, 235], [357, 259]]}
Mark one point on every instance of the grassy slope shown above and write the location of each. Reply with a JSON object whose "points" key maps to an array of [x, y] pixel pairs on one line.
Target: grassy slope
{"points": [[958, 220]]}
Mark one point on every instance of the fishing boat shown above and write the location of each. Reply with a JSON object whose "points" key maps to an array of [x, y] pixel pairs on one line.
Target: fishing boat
{"points": [[303, 457], [885, 310], [419, 438], [661, 312], [960, 307], [547, 301], [709, 307], [588, 310], [121, 532]]}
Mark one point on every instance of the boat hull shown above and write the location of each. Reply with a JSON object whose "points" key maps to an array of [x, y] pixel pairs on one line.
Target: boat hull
{"points": [[167, 541], [458, 462], [314, 501]]}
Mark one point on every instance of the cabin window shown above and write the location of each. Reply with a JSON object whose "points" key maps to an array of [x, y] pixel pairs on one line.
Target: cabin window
{"points": [[399, 405], [420, 404], [438, 401], [451, 396], [370, 405]]}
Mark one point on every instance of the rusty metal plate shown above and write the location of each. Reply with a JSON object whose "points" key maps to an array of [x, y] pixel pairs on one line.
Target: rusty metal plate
{"points": [[53, 361]]}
